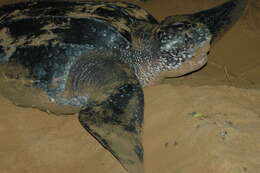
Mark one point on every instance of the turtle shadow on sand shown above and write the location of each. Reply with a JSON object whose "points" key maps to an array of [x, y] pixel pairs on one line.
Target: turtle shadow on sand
{"points": [[94, 58]]}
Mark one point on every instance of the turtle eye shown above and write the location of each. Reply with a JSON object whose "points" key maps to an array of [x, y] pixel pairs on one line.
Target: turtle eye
{"points": [[181, 25], [178, 24]]}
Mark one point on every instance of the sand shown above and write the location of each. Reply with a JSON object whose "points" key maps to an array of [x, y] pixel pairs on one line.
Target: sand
{"points": [[224, 138], [206, 122]]}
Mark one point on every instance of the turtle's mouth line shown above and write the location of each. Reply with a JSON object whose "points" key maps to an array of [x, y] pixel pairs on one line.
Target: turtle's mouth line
{"points": [[187, 67]]}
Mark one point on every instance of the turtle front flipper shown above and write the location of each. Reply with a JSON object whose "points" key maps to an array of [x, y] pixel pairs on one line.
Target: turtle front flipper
{"points": [[221, 18], [218, 19], [114, 113]]}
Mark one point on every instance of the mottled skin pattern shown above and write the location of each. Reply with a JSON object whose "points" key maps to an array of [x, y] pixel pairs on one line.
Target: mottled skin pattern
{"points": [[94, 58]]}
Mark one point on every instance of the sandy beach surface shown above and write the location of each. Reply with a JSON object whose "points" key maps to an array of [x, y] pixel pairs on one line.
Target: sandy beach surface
{"points": [[205, 122]]}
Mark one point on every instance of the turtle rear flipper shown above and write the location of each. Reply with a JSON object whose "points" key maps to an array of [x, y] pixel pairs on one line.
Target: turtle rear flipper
{"points": [[114, 113]]}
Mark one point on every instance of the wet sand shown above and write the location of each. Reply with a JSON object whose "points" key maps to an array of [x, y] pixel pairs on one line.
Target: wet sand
{"points": [[223, 138], [206, 122]]}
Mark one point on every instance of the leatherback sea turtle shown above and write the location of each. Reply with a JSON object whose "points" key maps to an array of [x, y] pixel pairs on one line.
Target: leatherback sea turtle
{"points": [[94, 58]]}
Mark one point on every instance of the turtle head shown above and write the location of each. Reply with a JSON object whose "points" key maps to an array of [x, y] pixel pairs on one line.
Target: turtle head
{"points": [[185, 40], [184, 45]]}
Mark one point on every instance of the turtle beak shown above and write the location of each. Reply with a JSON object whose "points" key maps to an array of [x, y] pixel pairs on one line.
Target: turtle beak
{"points": [[221, 18]]}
